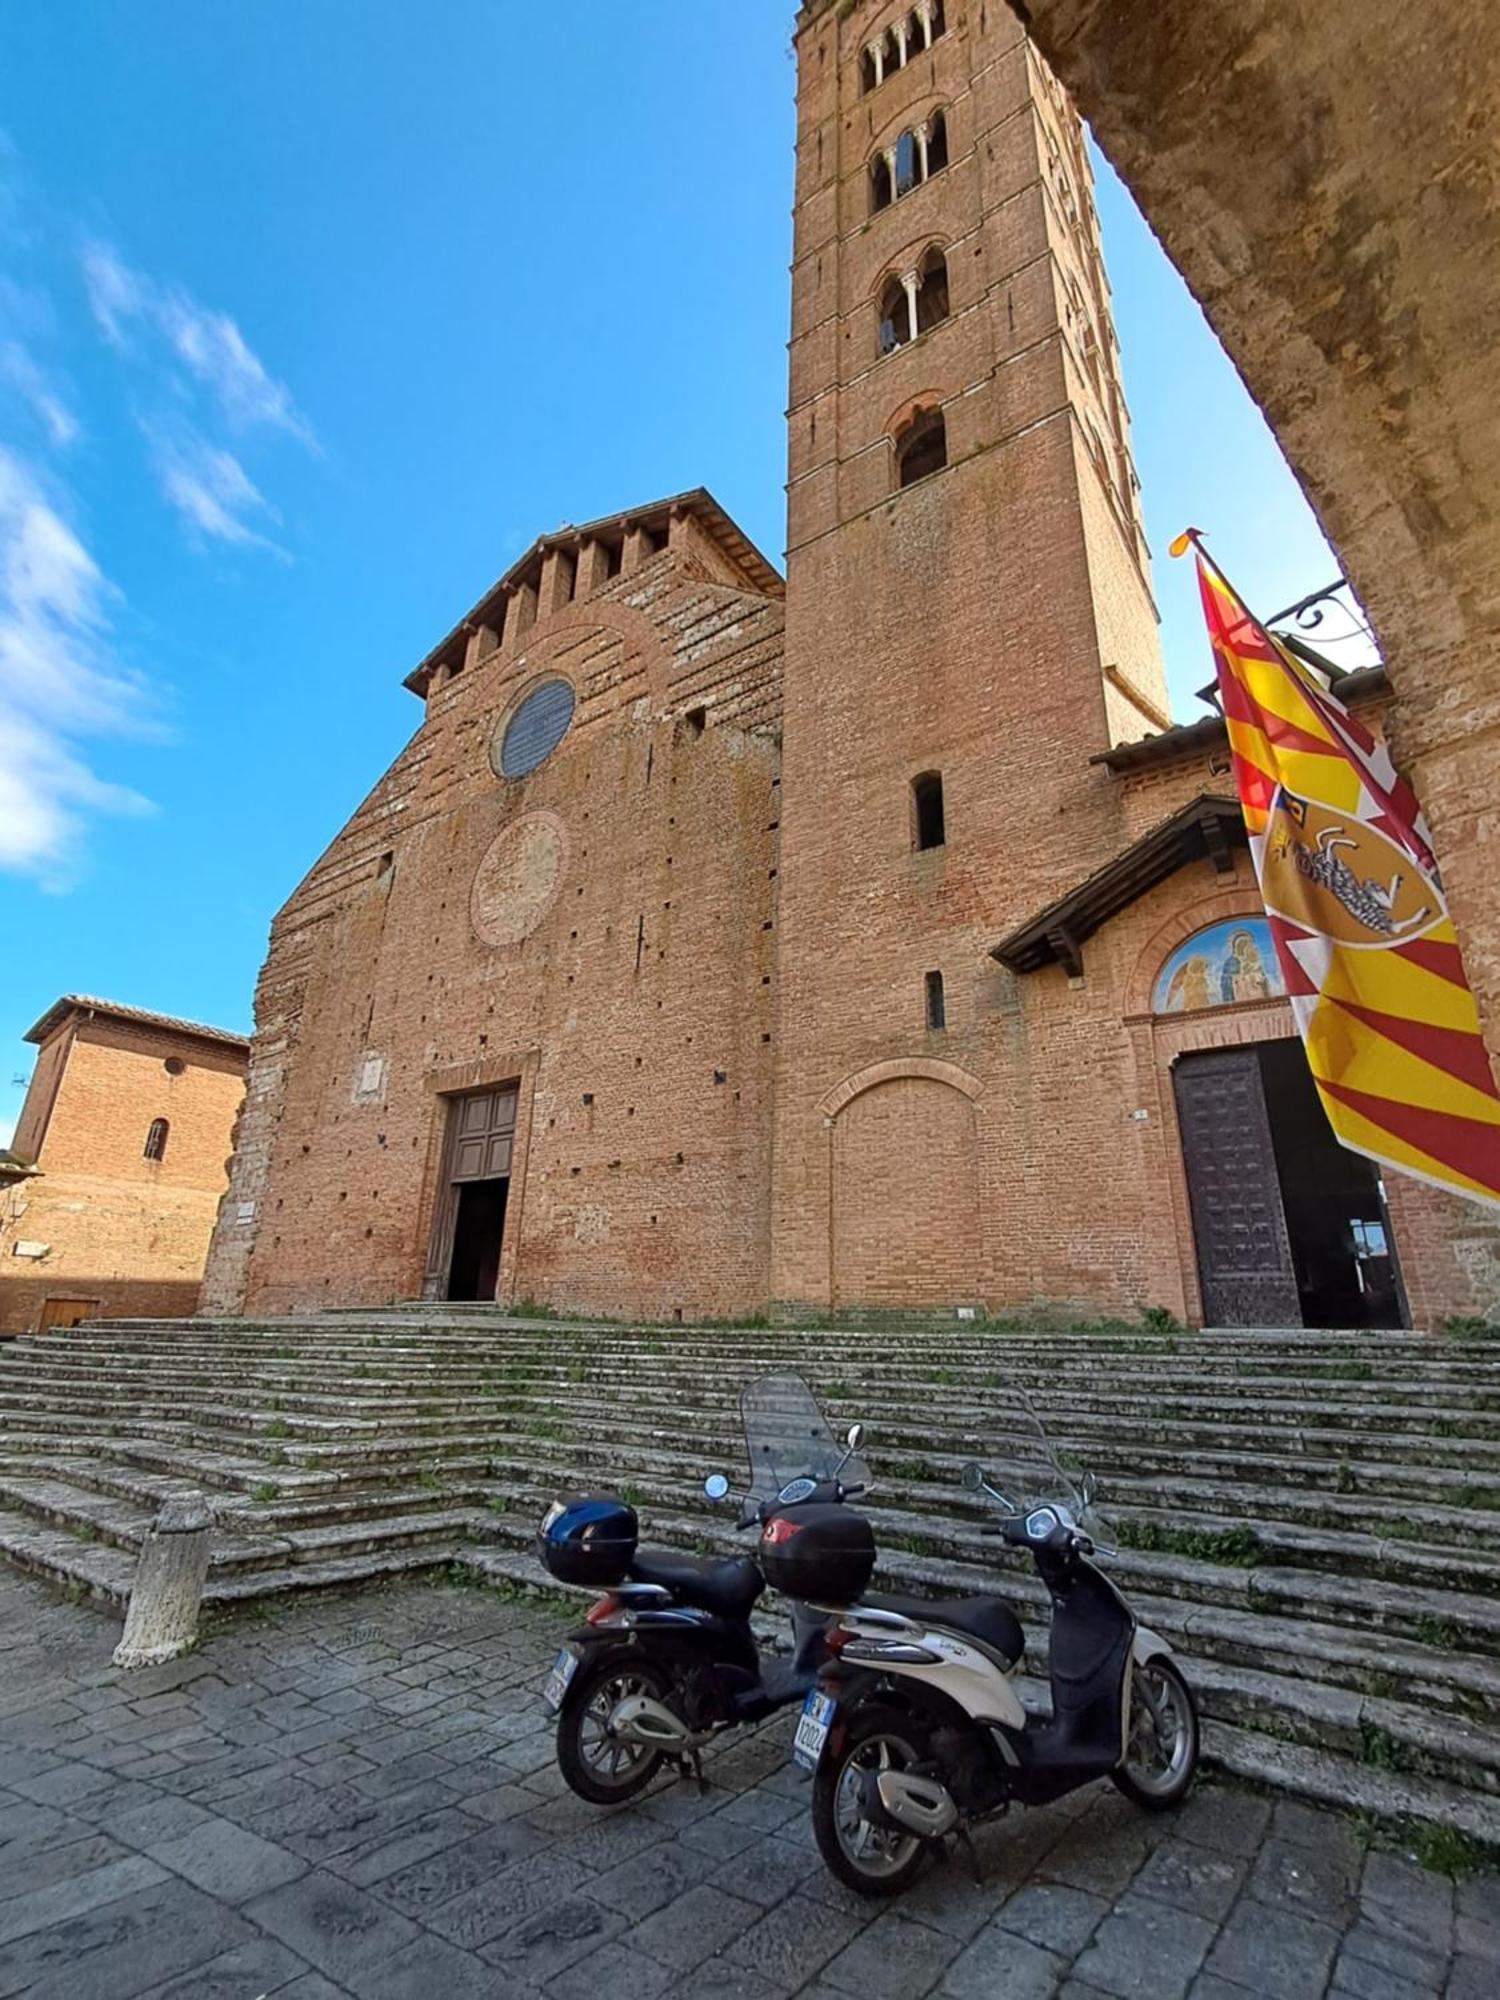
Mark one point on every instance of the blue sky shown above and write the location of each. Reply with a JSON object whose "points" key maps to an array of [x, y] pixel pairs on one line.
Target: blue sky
{"points": [[312, 316]]}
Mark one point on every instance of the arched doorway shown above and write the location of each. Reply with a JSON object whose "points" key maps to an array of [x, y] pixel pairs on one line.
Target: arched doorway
{"points": [[1289, 1227]]}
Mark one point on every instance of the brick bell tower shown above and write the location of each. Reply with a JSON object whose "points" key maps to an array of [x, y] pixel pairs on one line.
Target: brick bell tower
{"points": [[969, 619]]}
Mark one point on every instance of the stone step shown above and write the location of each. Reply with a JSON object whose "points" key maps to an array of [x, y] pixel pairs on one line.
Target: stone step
{"points": [[1321, 1766], [1310, 1517]]}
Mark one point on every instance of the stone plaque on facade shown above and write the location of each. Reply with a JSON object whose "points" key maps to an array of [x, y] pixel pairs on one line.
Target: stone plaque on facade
{"points": [[518, 880]]}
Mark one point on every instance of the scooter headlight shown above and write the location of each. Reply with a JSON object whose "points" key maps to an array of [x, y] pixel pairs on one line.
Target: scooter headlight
{"points": [[1040, 1524]]}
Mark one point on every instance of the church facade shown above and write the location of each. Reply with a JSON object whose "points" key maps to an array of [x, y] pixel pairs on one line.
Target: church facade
{"points": [[870, 939]]}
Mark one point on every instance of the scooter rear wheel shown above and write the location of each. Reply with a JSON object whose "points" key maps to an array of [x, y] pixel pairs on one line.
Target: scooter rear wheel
{"points": [[868, 1857], [599, 1767], [1162, 1750]]}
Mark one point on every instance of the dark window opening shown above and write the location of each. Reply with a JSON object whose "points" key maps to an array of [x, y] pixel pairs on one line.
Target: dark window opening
{"points": [[895, 317], [927, 810], [937, 1016], [922, 448], [891, 49], [386, 863], [939, 25], [932, 290], [614, 557], [937, 145], [568, 569], [696, 720], [880, 183], [867, 76], [653, 541], [156, 1140]]}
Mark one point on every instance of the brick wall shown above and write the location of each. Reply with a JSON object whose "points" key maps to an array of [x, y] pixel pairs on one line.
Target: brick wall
{"points": [[635, 1013], [127, 1233]]}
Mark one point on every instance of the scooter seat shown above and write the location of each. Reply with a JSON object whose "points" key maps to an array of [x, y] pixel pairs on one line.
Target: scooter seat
{"points": [[990, 1620], [725, 1585]]}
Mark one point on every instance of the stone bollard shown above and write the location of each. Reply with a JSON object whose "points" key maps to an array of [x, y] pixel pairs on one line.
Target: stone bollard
{"points": [[162, 1620]]}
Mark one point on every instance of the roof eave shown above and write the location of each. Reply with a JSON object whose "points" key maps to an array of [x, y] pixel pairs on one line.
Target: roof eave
{"points": [[1208, 825]]}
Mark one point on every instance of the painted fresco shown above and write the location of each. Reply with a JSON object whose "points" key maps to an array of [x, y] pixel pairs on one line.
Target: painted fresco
{"points": [[1219, 967]]}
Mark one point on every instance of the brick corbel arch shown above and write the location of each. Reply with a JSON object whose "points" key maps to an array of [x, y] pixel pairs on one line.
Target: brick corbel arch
{"points": [[1241, 901], [914, 406], [886, 1072], [539, 650]]}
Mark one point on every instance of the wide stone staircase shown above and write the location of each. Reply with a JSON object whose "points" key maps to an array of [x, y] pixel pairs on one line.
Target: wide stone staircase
{"points": [[1311, 1518]]}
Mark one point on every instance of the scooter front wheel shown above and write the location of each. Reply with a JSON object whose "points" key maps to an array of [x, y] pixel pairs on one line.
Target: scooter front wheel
{"points": [[862, 1848], [599, 1766], [1161, 1750]]}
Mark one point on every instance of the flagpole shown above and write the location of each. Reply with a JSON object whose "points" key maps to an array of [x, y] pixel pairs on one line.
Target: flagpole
{"points": [[1193, 538]]}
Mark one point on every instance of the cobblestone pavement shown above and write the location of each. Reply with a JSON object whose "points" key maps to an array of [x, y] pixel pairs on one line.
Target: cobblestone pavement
{"points": [[357, 1796]]}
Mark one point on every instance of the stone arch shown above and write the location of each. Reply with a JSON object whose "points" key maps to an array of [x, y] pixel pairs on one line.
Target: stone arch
{"points": [[1175, 930], [1361, 322], [904, 1187], [883, 1072]]}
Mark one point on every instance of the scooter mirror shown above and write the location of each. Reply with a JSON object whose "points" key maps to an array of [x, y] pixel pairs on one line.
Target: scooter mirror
{"points": [[972, 1476], [856, 1436], [716, 1486]]}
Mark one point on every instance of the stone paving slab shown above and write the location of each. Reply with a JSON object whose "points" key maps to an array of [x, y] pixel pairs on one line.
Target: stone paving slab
{"points": [[355, 1798]]}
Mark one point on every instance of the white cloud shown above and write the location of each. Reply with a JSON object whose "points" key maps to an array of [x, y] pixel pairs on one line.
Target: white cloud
{"points": [[21, 373], [209, 487], [59, 681], [207, 343]]}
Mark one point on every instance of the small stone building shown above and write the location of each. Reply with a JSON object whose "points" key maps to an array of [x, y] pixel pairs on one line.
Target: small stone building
{"points": [[109, 1189], [867, 940]]}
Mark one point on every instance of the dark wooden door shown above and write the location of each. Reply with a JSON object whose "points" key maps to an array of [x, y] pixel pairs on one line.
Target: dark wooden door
{"points": [[477, 1146], [1239, 1227]]}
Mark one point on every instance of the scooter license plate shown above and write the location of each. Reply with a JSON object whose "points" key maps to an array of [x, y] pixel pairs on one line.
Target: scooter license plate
{"points": [[813, 1726], [556, 1685]]}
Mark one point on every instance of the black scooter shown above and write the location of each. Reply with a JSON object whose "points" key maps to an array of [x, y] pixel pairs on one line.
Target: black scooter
{"points": [[666, 1659]]}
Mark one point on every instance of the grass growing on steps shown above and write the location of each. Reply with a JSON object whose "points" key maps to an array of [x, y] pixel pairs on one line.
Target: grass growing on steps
{"points": [[1240, 1548]]}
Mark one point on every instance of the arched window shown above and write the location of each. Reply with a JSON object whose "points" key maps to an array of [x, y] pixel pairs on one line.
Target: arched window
{"points": [[881, 194], [867, 74], [156, 1140], [937, 145], [939, 25], [895, 316], [932, 290], [892, 46], [907, 164], [927, 829], [921, 448]]}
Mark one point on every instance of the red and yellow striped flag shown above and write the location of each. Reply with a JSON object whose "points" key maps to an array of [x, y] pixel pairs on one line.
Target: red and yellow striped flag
{"points": [[1362, 932]]}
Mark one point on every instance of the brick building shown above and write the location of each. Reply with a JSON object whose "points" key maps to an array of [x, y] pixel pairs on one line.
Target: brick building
{"points": [[109, 1189], [871, 940]]}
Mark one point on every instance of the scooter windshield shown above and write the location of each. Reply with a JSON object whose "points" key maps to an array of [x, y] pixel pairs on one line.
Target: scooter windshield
{"points": [[1021, 1460], [787, 1437]]}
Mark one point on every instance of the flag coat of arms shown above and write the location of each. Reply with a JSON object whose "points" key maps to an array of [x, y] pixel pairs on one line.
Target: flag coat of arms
{"points": [[1356, 910]]}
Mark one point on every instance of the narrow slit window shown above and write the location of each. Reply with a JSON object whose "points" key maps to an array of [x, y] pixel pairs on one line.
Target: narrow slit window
{"points": [[927, 811], [156, 1140], [937, 1013]]}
